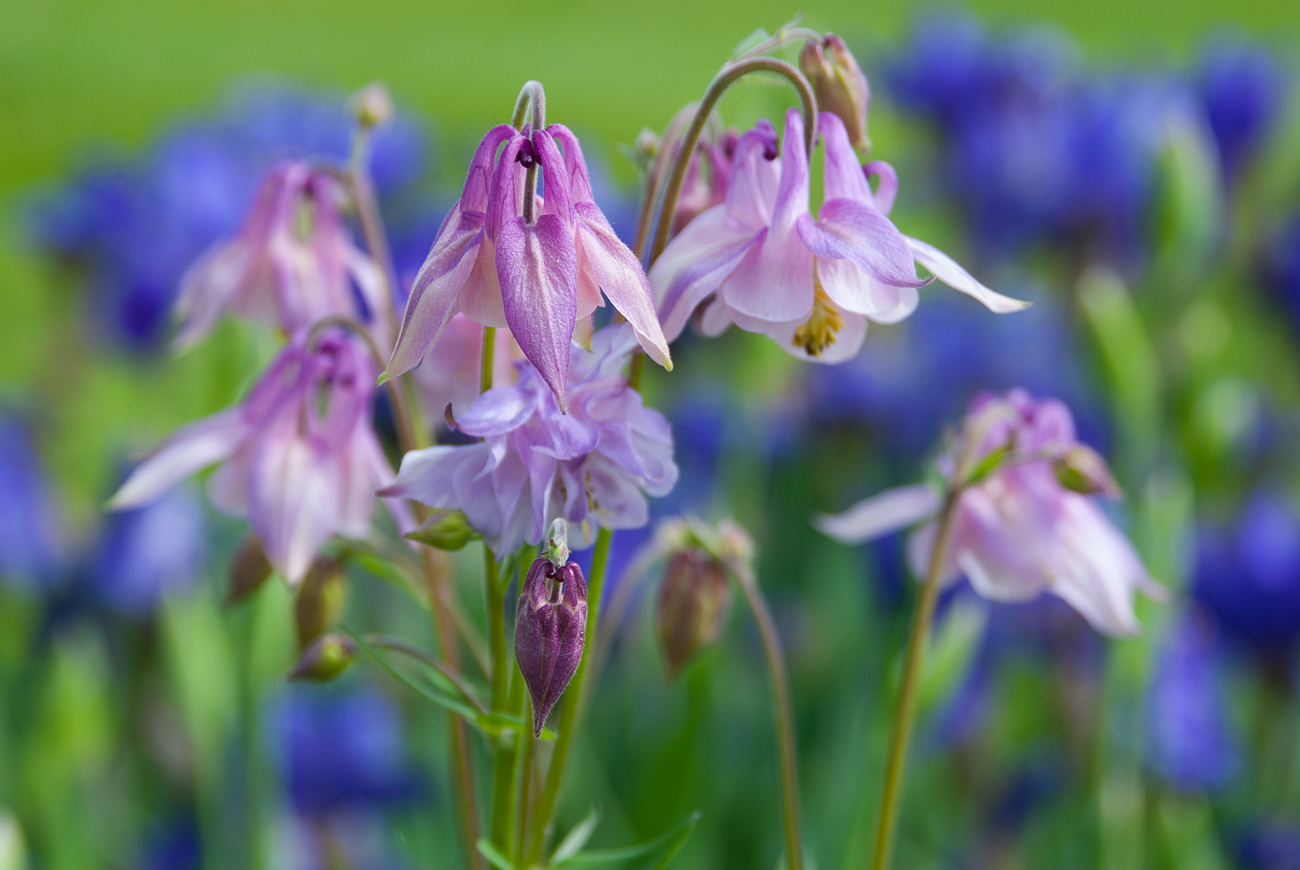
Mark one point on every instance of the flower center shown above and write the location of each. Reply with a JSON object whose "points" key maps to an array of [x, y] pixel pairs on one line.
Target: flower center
{"points": [[818, 333]]}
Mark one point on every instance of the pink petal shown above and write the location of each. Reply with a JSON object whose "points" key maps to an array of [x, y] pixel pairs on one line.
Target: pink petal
{"points": [[294, 498], [853, 290], [209, 287], [755, 178], [852, 230], [498, 411], [695, 264], [436, 289], [946, 270], [843, 176], [881, 514], [848, 340], [605, 262], [188, 450], [537, 267]]}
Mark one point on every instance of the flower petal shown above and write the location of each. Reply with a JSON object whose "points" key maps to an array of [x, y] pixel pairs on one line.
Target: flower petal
{"points": [[854, 290], [603, 260], [436, 288], [188, 450], [881, 514], [538, 269], [946, 270], [695, 264], [294, 494], [498, 411], [843, 176], [852, 230], [208, 288]]}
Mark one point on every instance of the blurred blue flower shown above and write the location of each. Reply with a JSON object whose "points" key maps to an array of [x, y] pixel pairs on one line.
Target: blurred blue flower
{"points": [[1282, 267], [148, 553], [173, 847], [1242, 87], [1248, 576], [1272, 846], [340, 752], [134, 227], [1189, 739], [30, 540]]}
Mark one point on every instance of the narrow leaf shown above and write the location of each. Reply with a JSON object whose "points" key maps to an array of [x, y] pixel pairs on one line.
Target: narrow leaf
{"points": [[495, 858], [576, 838]]}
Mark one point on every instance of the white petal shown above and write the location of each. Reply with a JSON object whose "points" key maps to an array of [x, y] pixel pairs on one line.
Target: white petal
{"points": [[945, 268], [880, 514]]}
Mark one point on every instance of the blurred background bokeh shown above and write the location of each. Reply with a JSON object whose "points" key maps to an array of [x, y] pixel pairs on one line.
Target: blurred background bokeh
{"points": [[1131, 168]]}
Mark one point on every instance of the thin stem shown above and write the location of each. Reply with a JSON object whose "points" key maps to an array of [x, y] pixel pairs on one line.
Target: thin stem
{"points": [[569, 707], [525, 788], [494, 595], [453, 676], [505, 773], [903, 714], [372, 223], [531, 104], [730, 74], [781, 708]]}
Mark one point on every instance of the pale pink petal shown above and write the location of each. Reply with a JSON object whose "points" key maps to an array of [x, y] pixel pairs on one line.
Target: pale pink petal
{"points": [[294, 493], [755, 177], [209, 287], [847, 229], [881, 514], [695, 264], [843, 175], [189, 449], [946, 270], [854, 290]]}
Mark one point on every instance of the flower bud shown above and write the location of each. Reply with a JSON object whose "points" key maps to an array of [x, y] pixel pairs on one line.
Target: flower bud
{"points": [[550, 629], [249, 569], [327, 657], [839, 84], [320, 600], [693, 601], [1081, 469], [444, 530], [372, 105]]}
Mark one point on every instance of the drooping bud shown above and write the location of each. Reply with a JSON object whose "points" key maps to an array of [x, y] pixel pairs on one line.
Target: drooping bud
{"points": [[327, 657], [839, 84], [550, 630], [372, 105], [249, 569], [693, 601], [444, 530], [1082, 469], [320, 600]]}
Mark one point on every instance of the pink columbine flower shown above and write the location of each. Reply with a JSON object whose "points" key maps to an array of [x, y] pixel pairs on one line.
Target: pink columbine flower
{"points": [[450, 372], [1020, 530], [761, 260], [293, 263], [538, 278], [299, 457], [535, 464]]}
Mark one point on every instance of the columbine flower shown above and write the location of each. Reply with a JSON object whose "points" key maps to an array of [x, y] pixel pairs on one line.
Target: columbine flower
{"points": [[539, 277], [766, 265], [550, 632], [537, 463], [292, 264], [1018, 531], [301, 460]]}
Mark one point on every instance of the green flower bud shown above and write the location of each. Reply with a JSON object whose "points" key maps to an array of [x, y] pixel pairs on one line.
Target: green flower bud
{"points": [[327, 657], [249, 569], [1081, 469], [320, 600], [444, 530]]}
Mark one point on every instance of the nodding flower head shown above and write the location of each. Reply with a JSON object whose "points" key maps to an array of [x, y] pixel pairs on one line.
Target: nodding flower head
{"points": [[300, 458], [1018, 530], [536, 463], [536, 269], [550, 631], [761, 261], [292, 264]]}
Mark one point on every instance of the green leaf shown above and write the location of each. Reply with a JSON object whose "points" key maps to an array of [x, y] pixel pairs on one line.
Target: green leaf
{"points": [[388, 571], [988, 465], [661, 850], [495, 858], [456, 705], [576, 838]]}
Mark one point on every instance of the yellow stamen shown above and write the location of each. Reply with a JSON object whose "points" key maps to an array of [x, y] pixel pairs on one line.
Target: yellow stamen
{"points": [[818, 333]]}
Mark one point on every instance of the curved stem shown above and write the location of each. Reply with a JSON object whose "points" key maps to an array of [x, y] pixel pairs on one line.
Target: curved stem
{"points": [[787, 753], [530, 110], [730, 74], [569, 707], [903, 714]]}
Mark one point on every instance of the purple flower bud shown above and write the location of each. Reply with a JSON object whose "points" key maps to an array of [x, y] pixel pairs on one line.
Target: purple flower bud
{"points": [[550, 628], [693, 602], [840, 86]]}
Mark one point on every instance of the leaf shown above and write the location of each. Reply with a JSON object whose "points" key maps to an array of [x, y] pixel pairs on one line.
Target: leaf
{"points": [[388, 571], [434, 694], [577, 837], [988, 465], [664, 848], [495, 858]]}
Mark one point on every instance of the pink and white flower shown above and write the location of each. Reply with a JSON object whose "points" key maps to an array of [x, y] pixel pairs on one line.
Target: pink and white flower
{"points": [[761, 261], [1017, 532], [299, 457]]}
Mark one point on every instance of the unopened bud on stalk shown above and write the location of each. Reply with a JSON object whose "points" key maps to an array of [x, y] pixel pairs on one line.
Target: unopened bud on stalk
{"points": [[372, 105], [249, 569], [694, 598], [444, 530], [320, 600], [839, 84], [327, 657], [1081, 469], [550, 629]]}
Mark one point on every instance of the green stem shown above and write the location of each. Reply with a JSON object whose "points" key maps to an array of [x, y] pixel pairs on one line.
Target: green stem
{"points": [[569, 707], [903, 714], [525, 787], [787, 754], [505, 774]]}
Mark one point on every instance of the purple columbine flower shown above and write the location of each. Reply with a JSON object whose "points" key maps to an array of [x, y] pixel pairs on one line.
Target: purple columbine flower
{"points": [[292, 264], [550, 631], [762, 262], [536, 463], [300, 458], [537, 277], [1020, 530]]}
